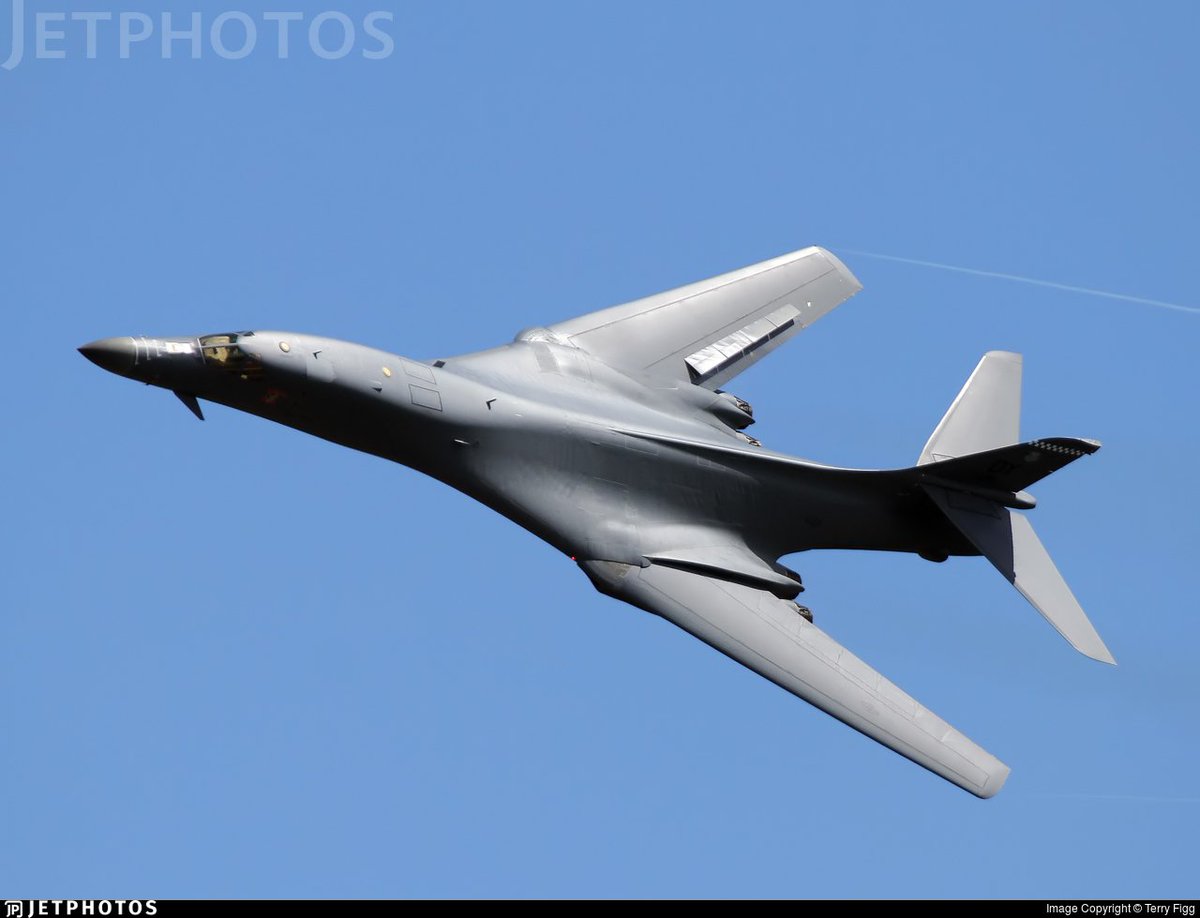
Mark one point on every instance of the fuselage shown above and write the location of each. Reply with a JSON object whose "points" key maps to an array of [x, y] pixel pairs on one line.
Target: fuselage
{"points": [[599, 464], [607, 436]]}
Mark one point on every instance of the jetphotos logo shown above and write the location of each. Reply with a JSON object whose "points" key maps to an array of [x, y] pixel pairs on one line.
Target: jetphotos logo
{"points": [[232, 35]]}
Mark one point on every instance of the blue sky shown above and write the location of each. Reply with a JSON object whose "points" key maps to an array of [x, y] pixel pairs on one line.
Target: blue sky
{"points": [[236, 661]]}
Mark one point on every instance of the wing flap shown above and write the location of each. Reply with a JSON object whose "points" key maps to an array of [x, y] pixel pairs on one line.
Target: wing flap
{"points": [[765, 634], [710, 331]]}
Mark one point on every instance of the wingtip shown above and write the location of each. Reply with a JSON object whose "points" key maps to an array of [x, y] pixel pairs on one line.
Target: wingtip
{"points": [[840, 266], [995, 782]]}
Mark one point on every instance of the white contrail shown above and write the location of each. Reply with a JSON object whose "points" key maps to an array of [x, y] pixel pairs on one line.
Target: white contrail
{"points": [[1136, 798], [1141, 300]]}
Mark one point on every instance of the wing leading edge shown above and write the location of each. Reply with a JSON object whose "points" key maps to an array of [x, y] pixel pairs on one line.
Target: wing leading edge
{"points": [[765, 634], [708, 332]]}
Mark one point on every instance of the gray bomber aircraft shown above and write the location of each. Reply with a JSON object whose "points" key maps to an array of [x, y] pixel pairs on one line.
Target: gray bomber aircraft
{"points": [[609, 437]]}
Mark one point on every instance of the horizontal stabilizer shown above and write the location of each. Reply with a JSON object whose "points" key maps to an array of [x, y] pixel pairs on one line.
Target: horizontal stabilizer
{"points": [[1007, 540], [1011, 468]]}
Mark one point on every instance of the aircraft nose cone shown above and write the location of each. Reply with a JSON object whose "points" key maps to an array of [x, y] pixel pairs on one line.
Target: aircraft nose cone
{"points": [[112, 354]]}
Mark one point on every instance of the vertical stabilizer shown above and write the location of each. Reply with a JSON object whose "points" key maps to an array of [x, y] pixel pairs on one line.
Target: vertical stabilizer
{"points": [[986, 415]]}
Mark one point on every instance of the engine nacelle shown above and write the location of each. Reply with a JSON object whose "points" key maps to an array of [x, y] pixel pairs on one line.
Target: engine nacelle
{"points": [[790, 574], [734, 411]]}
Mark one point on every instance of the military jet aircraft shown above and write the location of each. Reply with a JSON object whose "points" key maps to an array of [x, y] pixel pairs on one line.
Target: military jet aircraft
{"points": [[609, 436]]}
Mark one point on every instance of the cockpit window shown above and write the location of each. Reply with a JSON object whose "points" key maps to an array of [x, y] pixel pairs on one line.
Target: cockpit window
{"points": [[220, 349], [223, 352]]}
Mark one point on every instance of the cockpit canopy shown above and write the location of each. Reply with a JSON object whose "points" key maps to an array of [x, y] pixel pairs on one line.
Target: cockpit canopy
{"points": [[225, 353]]}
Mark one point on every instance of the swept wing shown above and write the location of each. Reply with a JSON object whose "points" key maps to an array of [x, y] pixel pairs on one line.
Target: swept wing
{"points": [[709, 331]]}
